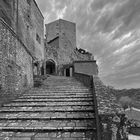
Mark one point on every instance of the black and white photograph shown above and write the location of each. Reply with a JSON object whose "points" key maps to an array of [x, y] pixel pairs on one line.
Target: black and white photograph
{"points": [[69, 69]]}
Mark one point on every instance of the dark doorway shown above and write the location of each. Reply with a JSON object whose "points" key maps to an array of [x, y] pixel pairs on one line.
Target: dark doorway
{"points": [[36, 68], [42, 70], [68, 72], [50, 67]]}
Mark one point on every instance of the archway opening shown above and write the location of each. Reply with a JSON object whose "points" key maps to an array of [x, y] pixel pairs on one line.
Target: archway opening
{"points": [[42, 70], [50, 67], [68, 72], [35, 68]]}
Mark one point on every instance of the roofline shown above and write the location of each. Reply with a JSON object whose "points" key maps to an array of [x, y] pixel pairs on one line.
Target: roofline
{"points": [[67, 21], [38, 8], [59, 20], [85, 61], [52, 39], [51, 22]]}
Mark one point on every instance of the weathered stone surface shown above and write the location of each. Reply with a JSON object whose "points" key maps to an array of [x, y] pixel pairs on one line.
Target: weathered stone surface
{"points": [[15, 75], [27, 24], [56, 120], [60, 45], [112, 118], [107, 102]]}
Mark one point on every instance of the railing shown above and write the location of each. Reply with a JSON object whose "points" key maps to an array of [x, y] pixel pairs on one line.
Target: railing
{"points": [[87, 80]]}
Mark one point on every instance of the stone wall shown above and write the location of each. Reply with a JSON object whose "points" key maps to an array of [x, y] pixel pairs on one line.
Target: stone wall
{"points": [[62, 28], [86, 67], [113, 123], [52, 30], [27, 21], [16, 71], [113, 127], [65, 33], [61, 44], [31, 27], [52, 50], [7, 10], [107, 101], [80, 56]]}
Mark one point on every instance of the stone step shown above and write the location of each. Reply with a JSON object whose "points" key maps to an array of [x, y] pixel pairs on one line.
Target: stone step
{"points": [[44, 105], [43, 129], [63, 84], [61, 109], [57, 92], [51, 95], [48, 109], [56, 124], [60, 91], [55, 100], [56, 135], [52, 104], [66, 89], [47, 116], [72, 96], [66, 85]]}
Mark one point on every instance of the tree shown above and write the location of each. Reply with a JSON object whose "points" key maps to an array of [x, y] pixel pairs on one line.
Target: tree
{"points": [[126, 102]]}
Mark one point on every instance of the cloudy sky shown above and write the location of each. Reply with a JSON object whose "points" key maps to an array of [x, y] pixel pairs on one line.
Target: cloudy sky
{"points": [[110, 29]]}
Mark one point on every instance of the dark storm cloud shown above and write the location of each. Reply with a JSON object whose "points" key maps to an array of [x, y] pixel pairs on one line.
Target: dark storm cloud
{"points": [[99, 4], [110, 29], [126, 13]]}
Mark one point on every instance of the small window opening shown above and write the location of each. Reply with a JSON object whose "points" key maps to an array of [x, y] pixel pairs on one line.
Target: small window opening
{"points": [[38, 39]]}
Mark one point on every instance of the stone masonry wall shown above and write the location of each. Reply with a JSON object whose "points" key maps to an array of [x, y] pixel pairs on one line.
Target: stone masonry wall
{"points": [[111, 114], [31, 25], [107, 101], [61, 43], [7, 11], [27, 21], [15, 62]]}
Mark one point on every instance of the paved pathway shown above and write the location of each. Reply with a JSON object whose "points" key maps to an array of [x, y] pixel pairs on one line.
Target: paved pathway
{"points": [[61, 109]]}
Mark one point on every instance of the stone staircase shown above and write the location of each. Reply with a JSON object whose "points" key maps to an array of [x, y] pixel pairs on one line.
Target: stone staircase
{"points": [[61, 109]]}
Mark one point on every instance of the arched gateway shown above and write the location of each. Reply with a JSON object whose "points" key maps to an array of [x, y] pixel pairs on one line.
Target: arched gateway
{"points": [[50, 67]]}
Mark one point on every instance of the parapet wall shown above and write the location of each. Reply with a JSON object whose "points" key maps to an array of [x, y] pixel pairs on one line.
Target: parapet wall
{"points": [[15, 62], [86, 67]]}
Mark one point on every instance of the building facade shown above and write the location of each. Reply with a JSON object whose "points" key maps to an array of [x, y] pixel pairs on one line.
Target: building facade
{"points": [[61, 50], [27, 21], [23, 52], [21, 43]]}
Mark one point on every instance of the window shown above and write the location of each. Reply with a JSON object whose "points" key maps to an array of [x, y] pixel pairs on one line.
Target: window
{"points": [[38, 39]]}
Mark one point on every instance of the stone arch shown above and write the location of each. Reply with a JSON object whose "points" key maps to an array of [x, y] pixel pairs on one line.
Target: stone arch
{"points": [[50, 67]]}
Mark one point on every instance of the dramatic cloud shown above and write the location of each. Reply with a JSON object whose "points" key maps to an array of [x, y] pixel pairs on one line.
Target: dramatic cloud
{"points": [[110, 29]]}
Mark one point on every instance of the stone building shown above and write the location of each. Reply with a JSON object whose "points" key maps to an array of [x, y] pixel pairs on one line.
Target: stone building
{"points": [[23, 23], [27, 21], [61, 51], [21, 43]]}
